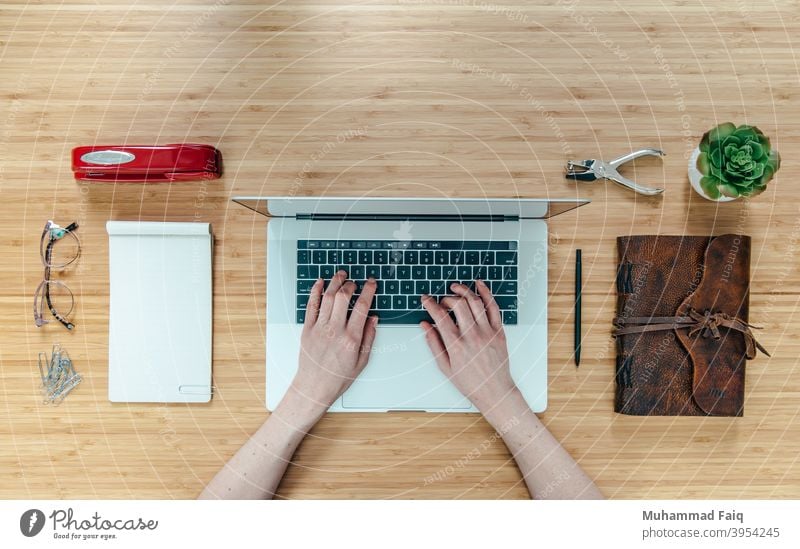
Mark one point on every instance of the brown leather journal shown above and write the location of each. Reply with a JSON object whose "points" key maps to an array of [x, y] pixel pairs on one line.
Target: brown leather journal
{"points": [[681, 328]]}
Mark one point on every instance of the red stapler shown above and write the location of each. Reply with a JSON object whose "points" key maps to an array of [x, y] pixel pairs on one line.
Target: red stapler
{"points": [[176, 162]]}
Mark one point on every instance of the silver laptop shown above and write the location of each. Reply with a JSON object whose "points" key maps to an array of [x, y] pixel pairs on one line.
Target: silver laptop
{"points": [[412, 247]]}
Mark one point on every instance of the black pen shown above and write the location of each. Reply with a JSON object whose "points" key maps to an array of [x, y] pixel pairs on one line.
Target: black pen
{"points": [[578, 292]]}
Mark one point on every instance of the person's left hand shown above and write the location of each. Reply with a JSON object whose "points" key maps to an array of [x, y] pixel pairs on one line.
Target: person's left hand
{"points": [[333, 348]]}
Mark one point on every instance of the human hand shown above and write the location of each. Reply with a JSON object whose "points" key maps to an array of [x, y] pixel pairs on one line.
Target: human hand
{"points": [[333, 348], [472, 351]]}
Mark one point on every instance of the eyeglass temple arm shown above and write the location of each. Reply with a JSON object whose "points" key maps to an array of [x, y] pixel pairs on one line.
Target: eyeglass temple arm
{"points": [[48, 252]]}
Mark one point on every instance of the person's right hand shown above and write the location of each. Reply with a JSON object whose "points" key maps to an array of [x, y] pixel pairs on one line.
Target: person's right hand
{"points": [[472, 351]]}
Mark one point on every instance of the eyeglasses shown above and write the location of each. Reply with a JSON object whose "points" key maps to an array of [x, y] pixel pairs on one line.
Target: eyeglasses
{"points": [[59, 247]]}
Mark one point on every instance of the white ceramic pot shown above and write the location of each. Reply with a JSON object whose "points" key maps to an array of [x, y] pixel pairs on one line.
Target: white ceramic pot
{"points": [[695, 176]]}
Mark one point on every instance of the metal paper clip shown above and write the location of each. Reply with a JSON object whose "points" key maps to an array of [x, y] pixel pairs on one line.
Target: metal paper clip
{"points": [[58, 375]]}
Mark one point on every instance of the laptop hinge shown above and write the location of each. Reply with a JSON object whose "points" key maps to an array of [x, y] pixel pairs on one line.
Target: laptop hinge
{"points": [[404, 217]]}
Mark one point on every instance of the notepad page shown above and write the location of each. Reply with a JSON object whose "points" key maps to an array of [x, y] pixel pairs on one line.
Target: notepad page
{"points": [[160, 311]]}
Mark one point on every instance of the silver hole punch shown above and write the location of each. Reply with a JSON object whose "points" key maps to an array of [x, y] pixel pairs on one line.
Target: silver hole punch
{"points": [[591, 170]]}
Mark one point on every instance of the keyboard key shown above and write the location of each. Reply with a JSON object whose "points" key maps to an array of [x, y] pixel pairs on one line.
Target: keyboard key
{"points": [[359, 244], [380, 257], [495, 273], [313, 244], [403, 272], [472, 258], [434, 272], [422, 287], [450, 273], [301, 316], [395, 257], [334, 256], [434, 245], [343, 245], [403, 317], [357, 272], [380, 287], [388, 271], [414, 302], [327, 244], [302, 301], [457, 258], [402, 245], [303, 256], [439, 287], [307, 271], [304, 286], [407, 287], [392, 287], [418, 272], [319, 256], [441, 258], [345, 268], [506, 258], [373, 271], [480, 272], [350, 257], [487, 258], [426, 257], [464, 273], [505, 288], [326, 272], [509, 273], [509, 317], [411, 257], [365, 257], [506, 302], [373, 244], [419, 245], [384, 302], [399, 302]]}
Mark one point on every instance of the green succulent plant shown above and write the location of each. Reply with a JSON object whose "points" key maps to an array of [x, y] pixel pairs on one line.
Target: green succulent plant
{"points": [[736, 161]]}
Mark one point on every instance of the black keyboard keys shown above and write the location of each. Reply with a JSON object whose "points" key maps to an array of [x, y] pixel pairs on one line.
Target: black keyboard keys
{"points": [[307, 271], [350, 257], [406, 269]]}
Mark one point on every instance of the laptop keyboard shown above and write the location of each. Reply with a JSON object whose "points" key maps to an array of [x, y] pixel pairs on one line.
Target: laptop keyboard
{"points": [[405, 270]]}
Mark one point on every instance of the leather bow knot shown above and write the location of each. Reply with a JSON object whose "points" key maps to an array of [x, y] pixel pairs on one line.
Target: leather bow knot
{"points": [[708, 323]]}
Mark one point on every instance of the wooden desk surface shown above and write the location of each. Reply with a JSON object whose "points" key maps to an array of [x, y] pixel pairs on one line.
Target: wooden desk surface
{"points": [[394, 98]]}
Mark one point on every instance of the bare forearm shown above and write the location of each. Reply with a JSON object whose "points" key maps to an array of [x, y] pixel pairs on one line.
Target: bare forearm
{"points": [[549, 471], [258, 467]]}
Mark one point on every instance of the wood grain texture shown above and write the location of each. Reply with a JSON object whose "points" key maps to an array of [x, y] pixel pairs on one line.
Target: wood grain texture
{"points": [[429, 98]]}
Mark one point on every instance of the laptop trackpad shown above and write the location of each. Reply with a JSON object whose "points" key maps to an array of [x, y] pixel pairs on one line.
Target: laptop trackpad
{"points": [[402, 375]]}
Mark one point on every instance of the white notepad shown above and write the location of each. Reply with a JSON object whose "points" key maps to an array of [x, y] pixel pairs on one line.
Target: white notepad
{"points": [[159, 342]]}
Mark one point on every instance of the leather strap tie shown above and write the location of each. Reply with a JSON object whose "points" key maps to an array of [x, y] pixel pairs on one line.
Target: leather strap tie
{"points": [[706, 324]]}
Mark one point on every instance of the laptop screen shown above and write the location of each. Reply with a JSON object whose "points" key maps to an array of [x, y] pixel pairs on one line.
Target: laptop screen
{"points": [[284, 206]]}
